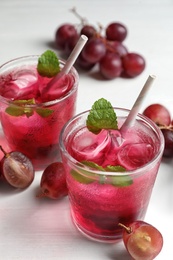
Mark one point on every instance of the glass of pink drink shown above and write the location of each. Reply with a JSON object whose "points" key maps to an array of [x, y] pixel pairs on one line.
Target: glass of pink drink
{"points": [[34, 128], [101, 199]]}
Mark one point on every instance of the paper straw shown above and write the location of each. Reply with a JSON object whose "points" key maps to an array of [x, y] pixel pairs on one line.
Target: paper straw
{"points": [[71, 59], [135, 109]]}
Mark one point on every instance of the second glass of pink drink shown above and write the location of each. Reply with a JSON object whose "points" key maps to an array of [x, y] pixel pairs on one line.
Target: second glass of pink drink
{"points": [[101, 197], [32, 119]]}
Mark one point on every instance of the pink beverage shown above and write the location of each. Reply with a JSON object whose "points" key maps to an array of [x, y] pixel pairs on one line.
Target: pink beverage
{"points": [[99, 198], [32, 118]]}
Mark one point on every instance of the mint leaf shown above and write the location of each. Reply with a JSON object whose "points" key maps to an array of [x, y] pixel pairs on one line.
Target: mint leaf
{"points": [[48, 64], [15, 111], [117, 168], [85, 179], [22, 102], [121, 180], [44, 112], [93, 165], [101, 116], [19, 108]]}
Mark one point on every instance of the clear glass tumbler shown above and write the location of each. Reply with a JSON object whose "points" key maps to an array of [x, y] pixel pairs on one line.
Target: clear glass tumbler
{"points": [[101, 199], [31, 127]]}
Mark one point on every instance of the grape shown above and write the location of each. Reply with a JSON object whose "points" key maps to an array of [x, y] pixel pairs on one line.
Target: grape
{"points": [[117, 47], [83, 64], [53, 181], [133, 64], [88, 30], [70, 43], [168, 137], [94, 50], [111, 65], [142, 240], [116, 32], [159, 114], [17, 169], [63, 33]]}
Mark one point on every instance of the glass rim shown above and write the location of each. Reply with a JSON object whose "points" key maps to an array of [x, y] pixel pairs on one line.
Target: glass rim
{"points": [[47, 103], [146, 167]]}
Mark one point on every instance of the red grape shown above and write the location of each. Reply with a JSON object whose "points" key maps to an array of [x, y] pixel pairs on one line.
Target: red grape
{"points": [[63, 33], [17, 169], [142, 240], [168, 137], [133, 64], [53, 181], [111, 65], [83, 64], [158, 113], [70, 43], [94, 50], [116, 32], [88, 30], [116, 47]]}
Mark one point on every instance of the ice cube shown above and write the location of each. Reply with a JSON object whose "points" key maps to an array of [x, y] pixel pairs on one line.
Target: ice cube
{"points": [[58, 89], [25, 78], [132, 156], [92, 147]]}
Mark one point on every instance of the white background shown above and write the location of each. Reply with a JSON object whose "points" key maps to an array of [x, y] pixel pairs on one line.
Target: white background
{"points": [[41, 229]]}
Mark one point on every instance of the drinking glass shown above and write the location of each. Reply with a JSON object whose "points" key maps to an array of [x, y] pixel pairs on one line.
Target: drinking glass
{"points": [[101, 199], [34, 128]]}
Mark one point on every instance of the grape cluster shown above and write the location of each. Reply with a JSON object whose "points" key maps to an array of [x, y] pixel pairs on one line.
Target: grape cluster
{"points": [[103, 48], [160, 115]]}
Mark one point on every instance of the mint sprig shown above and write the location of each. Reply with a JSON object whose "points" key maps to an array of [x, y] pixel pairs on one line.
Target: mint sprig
{"points": [[87, 177], [48, 64], [101, 116]]}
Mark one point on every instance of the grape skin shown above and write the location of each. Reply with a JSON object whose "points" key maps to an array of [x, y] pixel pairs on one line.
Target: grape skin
{"points": [[88, 30], [116, 32], [53, 181], [142, 240], [161, 116], [133, 64], [63, 33], [158, 113], [17, 170], [168, 136], [94, 50], [111, 65], [116, 47]]}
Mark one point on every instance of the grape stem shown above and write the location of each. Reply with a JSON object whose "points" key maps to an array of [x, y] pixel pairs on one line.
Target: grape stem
{"points": [[4, 152], [128, 229], [83, 20], [169, 127]]}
